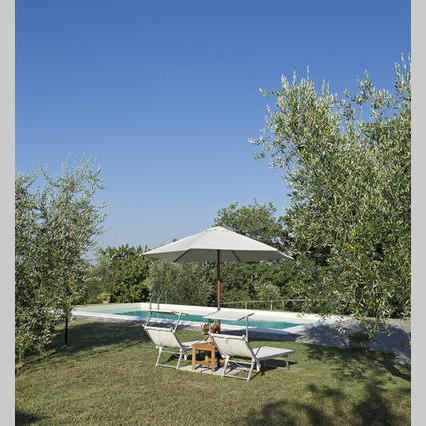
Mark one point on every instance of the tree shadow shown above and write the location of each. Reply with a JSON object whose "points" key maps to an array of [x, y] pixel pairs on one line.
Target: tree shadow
{"points": [[283, 412], [328, 406], [395, 337], [91, 336], [329, 344], [347, 363], [86, 336], [22, 418], [374, 409]]}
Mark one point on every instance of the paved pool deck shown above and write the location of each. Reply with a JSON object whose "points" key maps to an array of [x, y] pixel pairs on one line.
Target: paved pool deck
{"points": [[393, 339]]}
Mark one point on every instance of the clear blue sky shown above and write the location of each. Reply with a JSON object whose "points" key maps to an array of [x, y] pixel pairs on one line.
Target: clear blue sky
{"points": [[165, 94]]}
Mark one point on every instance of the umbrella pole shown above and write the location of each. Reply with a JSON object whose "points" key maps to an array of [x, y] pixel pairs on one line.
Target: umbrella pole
{"points": [[218, 278], [218, 282]]}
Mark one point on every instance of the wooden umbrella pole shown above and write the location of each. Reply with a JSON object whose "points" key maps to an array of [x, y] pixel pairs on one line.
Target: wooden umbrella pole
{"points": [[218, 282], [218, 278]]}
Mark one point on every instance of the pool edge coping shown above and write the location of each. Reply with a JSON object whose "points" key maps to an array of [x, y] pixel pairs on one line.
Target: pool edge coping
{"points": [[194, 324]]}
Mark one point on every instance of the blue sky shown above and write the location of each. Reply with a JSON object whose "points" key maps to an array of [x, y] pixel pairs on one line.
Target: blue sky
{"points": [[164, 95]]}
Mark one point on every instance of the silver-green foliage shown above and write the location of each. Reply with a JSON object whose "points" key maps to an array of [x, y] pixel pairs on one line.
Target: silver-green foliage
{"points": [[257, 221], [258, 280], [55, 226], [348, 164], [267, 291], [185, 283], [127, 271]]}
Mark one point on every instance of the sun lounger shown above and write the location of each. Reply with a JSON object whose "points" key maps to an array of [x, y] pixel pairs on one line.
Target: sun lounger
{"points": [[234, 348], [164, 340]]}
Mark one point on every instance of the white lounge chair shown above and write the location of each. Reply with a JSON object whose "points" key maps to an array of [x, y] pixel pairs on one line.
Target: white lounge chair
{"points": [[165, 339], [237, 347]]}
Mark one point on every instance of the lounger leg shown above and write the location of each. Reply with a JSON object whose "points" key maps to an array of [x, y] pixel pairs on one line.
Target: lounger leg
{"points": [[159, 355], [286, 360], [251, 370], [179, 360], [225, 366]]}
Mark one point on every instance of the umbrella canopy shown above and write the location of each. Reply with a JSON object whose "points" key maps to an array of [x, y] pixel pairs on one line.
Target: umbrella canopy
{"points": [[204, 245], [216, 244]]}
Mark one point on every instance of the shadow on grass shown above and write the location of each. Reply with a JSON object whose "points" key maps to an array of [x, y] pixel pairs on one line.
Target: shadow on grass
{"points": [[349, 364], [83, 336], [372, 371], [283, 412], [386, 343], [327, 345], [22, 418], [89, 336], [328, 406]]}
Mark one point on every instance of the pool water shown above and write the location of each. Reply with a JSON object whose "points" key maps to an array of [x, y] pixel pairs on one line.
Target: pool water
{"points": [[199, 318]]}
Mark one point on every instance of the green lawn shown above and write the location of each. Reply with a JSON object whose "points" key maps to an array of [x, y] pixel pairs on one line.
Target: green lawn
{"points": [[107, 376]]}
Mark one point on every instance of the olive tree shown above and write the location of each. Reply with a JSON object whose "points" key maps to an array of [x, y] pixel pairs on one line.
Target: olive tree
{"points": [[347, 161], [55, 226]]}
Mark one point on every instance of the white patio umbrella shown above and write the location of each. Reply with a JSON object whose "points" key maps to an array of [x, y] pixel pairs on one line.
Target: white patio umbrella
{"points": [[216, 244]]}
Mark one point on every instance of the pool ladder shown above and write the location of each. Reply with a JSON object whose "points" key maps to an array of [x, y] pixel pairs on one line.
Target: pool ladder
{"points": [[159, 292]]}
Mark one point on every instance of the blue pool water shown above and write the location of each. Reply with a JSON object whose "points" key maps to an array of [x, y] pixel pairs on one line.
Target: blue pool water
{"points": [[201, 320]]}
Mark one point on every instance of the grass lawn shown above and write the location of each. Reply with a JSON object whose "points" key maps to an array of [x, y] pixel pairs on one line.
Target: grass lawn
{"points": [[107, 376]]}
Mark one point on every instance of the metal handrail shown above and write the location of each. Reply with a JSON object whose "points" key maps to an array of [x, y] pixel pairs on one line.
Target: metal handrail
{"points": [[158, 293], [150, 299], [271, 301], [159, 298]]}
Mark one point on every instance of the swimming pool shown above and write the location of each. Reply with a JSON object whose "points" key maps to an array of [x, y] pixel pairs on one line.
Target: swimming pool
{"points": [[262, 321], [199, 318]]}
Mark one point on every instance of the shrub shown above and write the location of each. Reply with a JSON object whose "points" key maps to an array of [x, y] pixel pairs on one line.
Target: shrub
{"points": [[267, 291], [187, 283], [102, 296], [359, 341]]}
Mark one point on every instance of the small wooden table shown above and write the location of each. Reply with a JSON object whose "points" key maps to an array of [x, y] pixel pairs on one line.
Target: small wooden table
{"points": [[207, 348]]}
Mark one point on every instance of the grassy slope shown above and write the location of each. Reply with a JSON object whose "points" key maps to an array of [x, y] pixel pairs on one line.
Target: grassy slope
{"points": [[107, 376]]}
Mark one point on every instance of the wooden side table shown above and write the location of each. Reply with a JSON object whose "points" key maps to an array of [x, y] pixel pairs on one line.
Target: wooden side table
{"points": [[207, 348]]}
